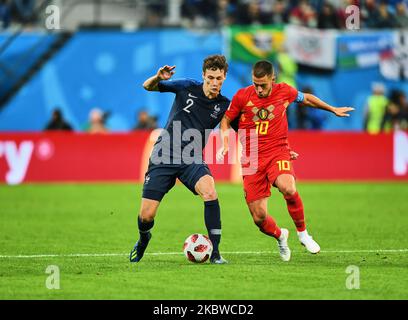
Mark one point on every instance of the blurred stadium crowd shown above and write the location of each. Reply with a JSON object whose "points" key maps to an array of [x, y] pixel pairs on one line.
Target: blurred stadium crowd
{"points": [[323, 14]]}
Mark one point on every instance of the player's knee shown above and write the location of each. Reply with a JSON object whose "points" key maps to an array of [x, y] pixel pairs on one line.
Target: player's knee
{"points": [[209, 195], [289, 190], [147, 214]]}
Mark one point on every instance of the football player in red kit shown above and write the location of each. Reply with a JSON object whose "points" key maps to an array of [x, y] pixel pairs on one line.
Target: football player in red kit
{"points": [[261, 109]]}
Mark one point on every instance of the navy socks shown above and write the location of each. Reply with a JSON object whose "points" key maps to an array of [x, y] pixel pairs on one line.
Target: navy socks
{"points": [[144, 228], [212, 219]]}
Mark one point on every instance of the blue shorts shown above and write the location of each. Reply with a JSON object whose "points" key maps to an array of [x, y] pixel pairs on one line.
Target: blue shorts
{"points": [[159, 179]]}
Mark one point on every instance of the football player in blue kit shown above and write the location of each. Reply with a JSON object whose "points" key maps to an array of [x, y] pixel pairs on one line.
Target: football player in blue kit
{"points": [[177, 154]]}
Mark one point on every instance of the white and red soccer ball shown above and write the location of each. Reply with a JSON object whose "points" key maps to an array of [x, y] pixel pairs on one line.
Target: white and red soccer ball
{"points": [[198, 248]]}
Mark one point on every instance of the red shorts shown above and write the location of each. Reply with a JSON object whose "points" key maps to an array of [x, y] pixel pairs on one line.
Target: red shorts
{"points": [[258, 185]]}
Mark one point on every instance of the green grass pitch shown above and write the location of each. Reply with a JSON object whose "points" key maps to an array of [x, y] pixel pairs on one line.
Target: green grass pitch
{"points": [[90, 228]]}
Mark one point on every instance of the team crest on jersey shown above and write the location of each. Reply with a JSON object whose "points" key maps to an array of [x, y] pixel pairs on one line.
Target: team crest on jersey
{"points": [[217, 110], [264, 113]]}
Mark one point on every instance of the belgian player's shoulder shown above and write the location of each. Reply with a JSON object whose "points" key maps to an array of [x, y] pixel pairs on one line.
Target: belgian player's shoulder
{"points": [[283, 86], [244, 92]]}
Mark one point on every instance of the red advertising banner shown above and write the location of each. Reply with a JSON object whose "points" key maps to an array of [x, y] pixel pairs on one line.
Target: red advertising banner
{"points": [[65, 157], [350, 156]]}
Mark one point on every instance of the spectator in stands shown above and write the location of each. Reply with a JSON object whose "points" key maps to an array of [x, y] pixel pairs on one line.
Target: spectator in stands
{"points": [[375, 109], [145, 122], [25, 10], [97, 120], [385, 18], [303, 14], [4, 14], [226, 12], [369, 14], [404, 115], [401, 16], [341, 11], [403, 125], [279, 12], [200, 13], [395, 116], [155, 13], [58, 122], [250, 13], [328, 18]]}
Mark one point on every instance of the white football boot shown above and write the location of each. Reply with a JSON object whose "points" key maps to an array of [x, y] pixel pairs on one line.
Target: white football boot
{"points": [[283, 247], [307, 241]]}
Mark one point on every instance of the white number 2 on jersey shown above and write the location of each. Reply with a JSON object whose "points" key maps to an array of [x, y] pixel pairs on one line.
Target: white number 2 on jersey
{"points": [[190, 102]]}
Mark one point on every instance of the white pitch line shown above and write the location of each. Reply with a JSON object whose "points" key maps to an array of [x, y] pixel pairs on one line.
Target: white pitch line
{"points": [[79, 255]]}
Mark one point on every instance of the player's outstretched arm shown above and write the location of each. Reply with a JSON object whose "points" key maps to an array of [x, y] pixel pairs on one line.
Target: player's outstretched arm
{"points": [[313, 101], [164, 73]]}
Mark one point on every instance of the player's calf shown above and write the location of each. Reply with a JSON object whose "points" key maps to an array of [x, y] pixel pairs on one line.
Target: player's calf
{"points": [[212, 218]]}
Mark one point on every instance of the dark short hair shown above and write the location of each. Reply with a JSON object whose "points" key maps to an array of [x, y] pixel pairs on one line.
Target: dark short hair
{"points": [[262, 68], [214, 62]]}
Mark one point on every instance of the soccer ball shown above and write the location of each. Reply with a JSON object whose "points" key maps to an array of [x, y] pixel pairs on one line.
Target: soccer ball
{"points": [[197, 248]]}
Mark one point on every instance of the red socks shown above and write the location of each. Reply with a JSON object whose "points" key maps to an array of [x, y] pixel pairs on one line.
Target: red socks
{"points": [[295, 208], [269, 227]]}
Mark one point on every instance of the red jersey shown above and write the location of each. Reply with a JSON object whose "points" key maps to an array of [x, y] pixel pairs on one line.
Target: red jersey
{"points": [[267, 116]]}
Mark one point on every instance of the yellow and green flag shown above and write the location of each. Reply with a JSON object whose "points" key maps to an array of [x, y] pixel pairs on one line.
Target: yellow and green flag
{"points": [[252, 43]]}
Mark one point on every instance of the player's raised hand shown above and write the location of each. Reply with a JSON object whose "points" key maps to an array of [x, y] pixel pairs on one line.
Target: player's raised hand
{"points": [[166, 72], [342, 111]]}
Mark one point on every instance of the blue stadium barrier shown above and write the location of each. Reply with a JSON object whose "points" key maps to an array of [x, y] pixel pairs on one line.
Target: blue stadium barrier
{"points": [[107, 69]]}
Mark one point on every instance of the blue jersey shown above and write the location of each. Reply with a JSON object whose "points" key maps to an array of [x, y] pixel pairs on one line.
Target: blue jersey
{"points": [[191, 119]]}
